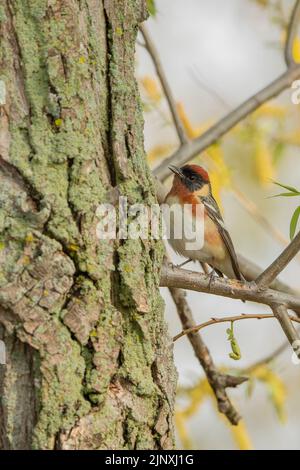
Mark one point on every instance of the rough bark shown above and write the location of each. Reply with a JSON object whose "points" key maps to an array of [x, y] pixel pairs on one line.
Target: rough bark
{"points": [[89, 362]]}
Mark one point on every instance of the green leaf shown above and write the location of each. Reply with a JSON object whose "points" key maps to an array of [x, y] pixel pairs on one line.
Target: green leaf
{"points": [[278, 151], [285, 195], [236, 352], [151, 7], [289, 188], [294, 222], [250, 387]]}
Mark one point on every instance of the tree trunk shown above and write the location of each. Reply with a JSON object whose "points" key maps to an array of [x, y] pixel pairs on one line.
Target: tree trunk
{"points": [[89, 363]]}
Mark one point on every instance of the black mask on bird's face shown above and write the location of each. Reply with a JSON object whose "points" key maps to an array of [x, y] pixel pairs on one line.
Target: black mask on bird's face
{"points": [[189, 177]]}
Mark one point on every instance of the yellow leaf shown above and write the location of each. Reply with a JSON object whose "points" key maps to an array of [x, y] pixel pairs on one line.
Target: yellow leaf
{"points": [[296, 50], [241, 436], [216, 187], [276, 388], [216, 154], [158, 151], [180, 423], [262, 3], [264, 166], [219, 173], [292, 138], [190, 130], [283, 36], [196, 396], [151, 88], [270, 110]]}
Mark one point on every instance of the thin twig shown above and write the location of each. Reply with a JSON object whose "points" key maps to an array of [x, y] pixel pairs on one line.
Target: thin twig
{"points": [[213, 93], [278, 301], [233, 318], [164, 83], [217, 380], [271, 273], [291, 34]]}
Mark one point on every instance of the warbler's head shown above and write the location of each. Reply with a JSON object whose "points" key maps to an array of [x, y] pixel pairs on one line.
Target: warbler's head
{"points": [[193, 177]]}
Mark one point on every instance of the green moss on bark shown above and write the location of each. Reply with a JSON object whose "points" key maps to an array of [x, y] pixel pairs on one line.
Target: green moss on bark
{"points": [[91, 309]]}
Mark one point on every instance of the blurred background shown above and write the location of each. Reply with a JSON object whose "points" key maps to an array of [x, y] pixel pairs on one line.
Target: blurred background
{"points": [[216, 54]]}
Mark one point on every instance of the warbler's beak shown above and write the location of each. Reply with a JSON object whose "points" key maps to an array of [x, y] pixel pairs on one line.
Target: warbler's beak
{"points": [[176, 170]]}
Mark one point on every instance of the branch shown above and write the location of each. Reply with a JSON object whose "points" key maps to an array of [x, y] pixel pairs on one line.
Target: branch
{"points": [[217, 380], [235, 318], [291, 35], [285, 321], [176, 277], [164, 83], [251, 271], [265, 278], [189, 150]]}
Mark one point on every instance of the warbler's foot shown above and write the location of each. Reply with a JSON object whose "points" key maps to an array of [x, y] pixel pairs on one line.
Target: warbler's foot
{"points": [[211, 276]]}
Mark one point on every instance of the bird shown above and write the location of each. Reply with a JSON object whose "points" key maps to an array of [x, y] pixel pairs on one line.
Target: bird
{"points": [[191, 185]]}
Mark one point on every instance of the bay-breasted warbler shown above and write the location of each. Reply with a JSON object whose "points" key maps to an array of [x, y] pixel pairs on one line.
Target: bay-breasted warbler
{"points": [[191, 186]]}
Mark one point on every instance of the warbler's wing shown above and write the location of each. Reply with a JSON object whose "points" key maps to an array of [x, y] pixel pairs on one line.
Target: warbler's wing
{"points": [[213, 212]]}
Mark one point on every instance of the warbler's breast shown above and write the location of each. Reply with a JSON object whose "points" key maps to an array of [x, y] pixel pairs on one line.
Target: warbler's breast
{"points": [[191, 232], [184, 225]]}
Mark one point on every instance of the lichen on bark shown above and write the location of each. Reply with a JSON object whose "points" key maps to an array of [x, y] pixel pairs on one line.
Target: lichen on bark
{"points": [[85, 314]]}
